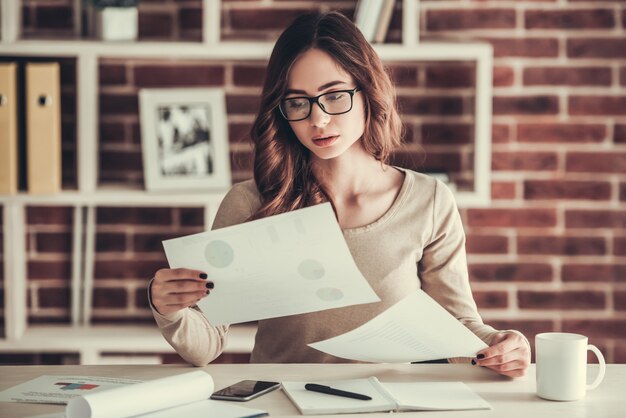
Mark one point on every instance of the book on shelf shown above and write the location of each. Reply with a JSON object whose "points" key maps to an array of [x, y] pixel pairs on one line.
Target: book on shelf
{"points": [[8, 128], [365, 17], [383, 21], [372, 17], [43, 127], [385, 397]]}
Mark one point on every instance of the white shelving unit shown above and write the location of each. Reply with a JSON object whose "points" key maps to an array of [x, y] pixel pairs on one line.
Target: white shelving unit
{"points": [[92, 341]]}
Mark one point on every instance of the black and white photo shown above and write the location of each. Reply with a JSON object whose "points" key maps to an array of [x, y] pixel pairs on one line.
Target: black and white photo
{"points": [[184, 135], [184, 139]]}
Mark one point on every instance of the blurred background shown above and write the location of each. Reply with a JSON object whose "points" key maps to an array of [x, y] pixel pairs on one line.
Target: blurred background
{"points": [[546, 253]]}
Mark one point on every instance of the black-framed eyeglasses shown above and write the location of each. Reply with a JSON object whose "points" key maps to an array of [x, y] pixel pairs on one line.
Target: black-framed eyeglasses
{"points": [[333, 103]]}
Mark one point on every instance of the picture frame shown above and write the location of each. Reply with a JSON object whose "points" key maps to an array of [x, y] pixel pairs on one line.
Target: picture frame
{"points": [[184, 138]]}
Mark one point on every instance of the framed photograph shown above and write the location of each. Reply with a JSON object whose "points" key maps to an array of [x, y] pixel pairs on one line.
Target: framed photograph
{"points": [[184, 138]]}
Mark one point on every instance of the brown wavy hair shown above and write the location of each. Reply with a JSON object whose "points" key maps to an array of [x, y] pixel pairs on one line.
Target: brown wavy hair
{"points": [[282, 165]]}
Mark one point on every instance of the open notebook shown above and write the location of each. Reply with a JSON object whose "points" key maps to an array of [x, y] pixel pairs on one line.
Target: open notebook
{"points": [[397, 396]]}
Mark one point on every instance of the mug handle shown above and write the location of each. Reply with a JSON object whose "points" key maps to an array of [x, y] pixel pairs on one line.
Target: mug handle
{"points": [[602, 367]]}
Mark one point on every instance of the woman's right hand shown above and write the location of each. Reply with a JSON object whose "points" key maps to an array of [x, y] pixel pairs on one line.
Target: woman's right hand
{"points": [[176, 289]]}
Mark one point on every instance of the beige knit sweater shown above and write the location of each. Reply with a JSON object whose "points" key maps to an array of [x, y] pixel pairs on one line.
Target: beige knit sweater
{"points": [[418, 243]]}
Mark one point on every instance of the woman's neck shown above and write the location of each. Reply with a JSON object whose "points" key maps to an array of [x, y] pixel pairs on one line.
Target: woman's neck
{"points": [[350, 175]]}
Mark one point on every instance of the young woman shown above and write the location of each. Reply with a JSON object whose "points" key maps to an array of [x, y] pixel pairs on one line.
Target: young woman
{"points": [[325, 129]]}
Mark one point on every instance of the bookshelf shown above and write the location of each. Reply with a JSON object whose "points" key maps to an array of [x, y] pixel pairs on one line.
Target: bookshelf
{"points": [[20, 337]]}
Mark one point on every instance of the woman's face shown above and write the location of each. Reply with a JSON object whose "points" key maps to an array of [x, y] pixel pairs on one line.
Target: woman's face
{"points": [[327, 136]]}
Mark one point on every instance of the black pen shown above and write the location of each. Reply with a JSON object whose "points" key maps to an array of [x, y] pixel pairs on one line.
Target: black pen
{"points": [[313, 387]]}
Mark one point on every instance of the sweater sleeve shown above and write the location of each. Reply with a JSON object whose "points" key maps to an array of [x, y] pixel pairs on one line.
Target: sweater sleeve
{"points": [[188, 331], [443, 267]]}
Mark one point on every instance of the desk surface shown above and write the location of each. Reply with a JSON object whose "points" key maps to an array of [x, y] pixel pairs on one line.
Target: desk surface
{"points": [[510, 398]]}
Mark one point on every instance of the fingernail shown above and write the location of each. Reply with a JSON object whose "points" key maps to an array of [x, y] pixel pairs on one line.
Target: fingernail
{"points": [[473, 362], [208, 292], [203, 275], [480, 356], [210, 285]]}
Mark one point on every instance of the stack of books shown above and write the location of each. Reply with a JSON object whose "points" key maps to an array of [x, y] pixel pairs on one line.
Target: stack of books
{"points": [[372, 17]]}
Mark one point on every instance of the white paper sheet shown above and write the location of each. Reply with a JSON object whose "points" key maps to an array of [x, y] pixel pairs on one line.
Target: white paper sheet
{"points": [[287, 264], [415, 329], [207, 409], [436, 396], [185, 395], [143, 398], [60, 389]]}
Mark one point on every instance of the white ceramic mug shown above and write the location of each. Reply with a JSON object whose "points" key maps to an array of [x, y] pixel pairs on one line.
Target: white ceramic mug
{"points": [[562, 366]]}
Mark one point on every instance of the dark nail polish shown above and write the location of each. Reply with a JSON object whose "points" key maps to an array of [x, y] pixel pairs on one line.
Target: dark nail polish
{"points": [[473, 362], [210, 285], [480, 356], [203, 275], [208, 292]]}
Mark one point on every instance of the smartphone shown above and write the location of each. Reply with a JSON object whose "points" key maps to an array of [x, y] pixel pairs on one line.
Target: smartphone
{"points": [[245, 390]]}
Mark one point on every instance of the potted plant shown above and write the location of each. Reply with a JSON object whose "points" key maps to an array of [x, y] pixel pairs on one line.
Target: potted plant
{"points": [[114, 20]]}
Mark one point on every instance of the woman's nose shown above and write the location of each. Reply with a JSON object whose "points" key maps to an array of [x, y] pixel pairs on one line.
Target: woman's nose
{"points": [[318, 116]]}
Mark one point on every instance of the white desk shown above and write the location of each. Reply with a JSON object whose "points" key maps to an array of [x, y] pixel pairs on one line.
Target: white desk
{"points": [[509, 398]]}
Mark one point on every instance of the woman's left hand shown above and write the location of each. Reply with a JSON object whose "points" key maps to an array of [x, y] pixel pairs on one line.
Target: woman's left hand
{"points": [[509, 355]]}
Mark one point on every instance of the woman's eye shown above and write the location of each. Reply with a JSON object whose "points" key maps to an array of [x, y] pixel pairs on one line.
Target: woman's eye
{"points": [[295, 104], [336, 96]]}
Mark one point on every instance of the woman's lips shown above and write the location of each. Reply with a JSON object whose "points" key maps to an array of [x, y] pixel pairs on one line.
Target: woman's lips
{"points": [[325, 142]]}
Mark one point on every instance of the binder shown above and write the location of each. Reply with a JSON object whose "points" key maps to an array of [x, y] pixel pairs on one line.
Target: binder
{"points": [[8, 129], [43, 127]]}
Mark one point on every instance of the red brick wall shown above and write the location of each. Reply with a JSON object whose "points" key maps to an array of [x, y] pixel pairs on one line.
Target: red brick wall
{"points": [[550, 251], [129, 251]]}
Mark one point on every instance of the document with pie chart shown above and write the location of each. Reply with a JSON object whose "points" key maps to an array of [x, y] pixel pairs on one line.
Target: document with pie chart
{"points": [[60, 389], [293, 263]]}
